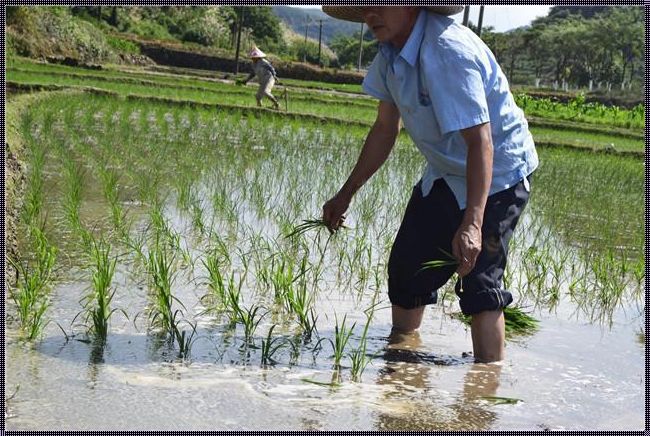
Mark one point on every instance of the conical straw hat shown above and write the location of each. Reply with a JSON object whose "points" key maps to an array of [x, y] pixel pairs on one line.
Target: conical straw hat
{"points": [[256, 53], [353, 13]]}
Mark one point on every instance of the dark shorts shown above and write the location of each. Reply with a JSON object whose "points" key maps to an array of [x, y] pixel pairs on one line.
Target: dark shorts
{"points": [[428, 227]]}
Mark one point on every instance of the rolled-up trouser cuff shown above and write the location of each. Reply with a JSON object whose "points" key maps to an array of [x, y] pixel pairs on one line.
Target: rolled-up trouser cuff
{"points": [[411, 301], [489, 299]]}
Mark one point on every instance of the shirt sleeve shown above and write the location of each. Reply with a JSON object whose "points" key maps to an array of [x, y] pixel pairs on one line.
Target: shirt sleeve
{"points": [[374, 84], [454, 79]]}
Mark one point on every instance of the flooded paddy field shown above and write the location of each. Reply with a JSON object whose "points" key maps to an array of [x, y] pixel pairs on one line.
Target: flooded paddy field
{"points": [[172, 228]]}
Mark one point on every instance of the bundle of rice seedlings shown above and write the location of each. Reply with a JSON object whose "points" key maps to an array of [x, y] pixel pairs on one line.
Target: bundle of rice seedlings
{"points": [[518, 322], [439, 263], [308, 225]]}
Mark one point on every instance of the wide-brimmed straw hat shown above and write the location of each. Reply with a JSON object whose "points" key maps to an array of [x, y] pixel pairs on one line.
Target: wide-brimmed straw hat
{"points": [[256, 53], [353, 13]]}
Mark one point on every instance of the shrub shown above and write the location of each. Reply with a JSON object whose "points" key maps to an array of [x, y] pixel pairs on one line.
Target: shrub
{"points": [[122, 45], [46, 31]]}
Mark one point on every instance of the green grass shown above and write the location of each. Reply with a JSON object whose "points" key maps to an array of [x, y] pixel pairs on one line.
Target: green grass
{"points": [[586, 140]]}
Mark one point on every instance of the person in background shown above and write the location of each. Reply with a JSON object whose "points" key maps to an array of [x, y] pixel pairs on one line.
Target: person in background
{"points": [[455, 103], [265, 74]]}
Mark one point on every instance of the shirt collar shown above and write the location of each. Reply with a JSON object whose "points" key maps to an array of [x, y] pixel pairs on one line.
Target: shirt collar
{"points": [[412, 47]]}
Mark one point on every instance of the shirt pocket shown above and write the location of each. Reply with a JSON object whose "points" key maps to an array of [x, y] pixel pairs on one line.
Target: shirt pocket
{"points": [[420, 120]]}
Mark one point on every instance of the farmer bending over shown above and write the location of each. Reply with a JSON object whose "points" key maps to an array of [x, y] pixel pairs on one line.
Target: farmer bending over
{"points": [[265, 76], [455, 103]]}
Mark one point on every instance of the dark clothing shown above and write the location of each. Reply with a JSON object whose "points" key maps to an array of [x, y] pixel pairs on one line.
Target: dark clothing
{"points": [[428, 227]]}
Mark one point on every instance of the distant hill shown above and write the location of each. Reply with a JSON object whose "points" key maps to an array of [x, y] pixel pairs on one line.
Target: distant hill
{"points": [[559, 13], [296, 18]]}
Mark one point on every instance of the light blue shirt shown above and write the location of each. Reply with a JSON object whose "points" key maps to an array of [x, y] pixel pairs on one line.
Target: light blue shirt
{"points": [[446, 79]]}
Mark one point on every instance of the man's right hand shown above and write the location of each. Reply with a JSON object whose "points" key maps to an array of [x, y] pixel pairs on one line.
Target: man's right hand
{"points": [[334, 209]]}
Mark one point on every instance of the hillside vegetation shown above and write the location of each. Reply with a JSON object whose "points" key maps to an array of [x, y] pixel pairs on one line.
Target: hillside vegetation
{"points": [[598, 50]]}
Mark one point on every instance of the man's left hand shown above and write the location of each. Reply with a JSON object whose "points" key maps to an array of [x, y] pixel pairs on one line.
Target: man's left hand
{"points": [[466, 247]]}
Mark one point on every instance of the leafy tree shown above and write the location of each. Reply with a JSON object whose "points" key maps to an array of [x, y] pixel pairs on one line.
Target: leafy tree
{"points": [[347, 50], [607, 45], [308, 52], [263, 24]]}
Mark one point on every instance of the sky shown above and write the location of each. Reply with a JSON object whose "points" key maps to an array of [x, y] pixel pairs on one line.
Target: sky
{"points": [[502, 18]]}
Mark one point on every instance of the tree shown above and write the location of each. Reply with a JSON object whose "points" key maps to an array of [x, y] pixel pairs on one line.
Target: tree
{"points": [[628, 25], [262, 22], [347, 49]]}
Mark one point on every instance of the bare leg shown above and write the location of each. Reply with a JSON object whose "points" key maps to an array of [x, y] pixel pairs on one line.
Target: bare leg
{"points": [[273, 99], [404, 341], [407, 320], [488, 335]]}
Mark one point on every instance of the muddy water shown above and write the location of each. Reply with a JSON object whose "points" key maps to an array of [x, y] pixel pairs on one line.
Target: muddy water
{"points": [[568, 376], [571, 374]]}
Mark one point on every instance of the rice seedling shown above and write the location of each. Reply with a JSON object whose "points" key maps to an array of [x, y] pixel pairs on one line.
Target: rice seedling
{"points": [[72, 199], [161, 276], [135, 244], [307, 321], [306, 226], [517, 322], [358, 357], [212, 264], [197, 216], [30, 300], [184, 340], [449, 260], [638, 270], [111, 194], [233, 300], [296, 298], [271, 345], [97, 304], [31, 293], [341, 337], [183, 187], [162, 314], [222, 206], [250, 318], [33, 202], [282, 276]]}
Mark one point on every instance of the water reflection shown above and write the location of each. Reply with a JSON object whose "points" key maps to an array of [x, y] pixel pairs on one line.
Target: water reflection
{"points": [[411, 373], [95, 361]]}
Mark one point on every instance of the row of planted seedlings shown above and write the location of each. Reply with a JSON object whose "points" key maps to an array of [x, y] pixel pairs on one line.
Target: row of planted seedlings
{"points": [[606, 271], [248, 190], [86, 241], [158, 246], [284, 278], [587, 238], [223, 95], [229, 93], [349, 108], [298, 302], [35, 270]]}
